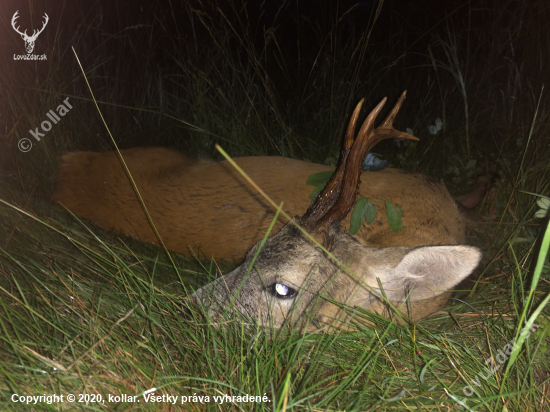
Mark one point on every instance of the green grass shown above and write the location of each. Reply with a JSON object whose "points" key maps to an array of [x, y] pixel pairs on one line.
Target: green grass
{"points": [[85, 312], [86, 315]]}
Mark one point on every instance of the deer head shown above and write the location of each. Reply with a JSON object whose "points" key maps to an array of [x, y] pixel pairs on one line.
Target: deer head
{"points": [[291, 280], [29, 41]]}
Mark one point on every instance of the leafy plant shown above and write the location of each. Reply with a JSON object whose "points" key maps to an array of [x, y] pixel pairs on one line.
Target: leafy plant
{"points": [[319, 180], [363, 209]]}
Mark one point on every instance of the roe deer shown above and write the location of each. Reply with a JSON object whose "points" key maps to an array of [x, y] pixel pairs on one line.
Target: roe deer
{"points": [[210, 206], [289, 276]]}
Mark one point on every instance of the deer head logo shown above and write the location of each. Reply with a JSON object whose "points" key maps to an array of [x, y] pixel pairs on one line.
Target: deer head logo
{"points": [[29, 40]]}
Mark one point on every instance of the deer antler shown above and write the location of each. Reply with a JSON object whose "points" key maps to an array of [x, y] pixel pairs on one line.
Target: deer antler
{"points": [[341, 191], [330, 193], [36, 33], [15, 16]]}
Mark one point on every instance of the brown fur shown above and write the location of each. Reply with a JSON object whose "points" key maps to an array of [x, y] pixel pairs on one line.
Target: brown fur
{"points": [[208, 206]]}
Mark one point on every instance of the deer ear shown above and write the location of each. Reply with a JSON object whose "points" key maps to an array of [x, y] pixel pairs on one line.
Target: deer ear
{"points": [[429, 271]]}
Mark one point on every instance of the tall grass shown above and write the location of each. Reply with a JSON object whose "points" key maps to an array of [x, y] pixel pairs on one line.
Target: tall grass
{"points": [[83, 312]]}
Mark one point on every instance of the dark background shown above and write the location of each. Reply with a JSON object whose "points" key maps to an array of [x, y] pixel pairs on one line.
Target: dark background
{"points": [[279, 78]]}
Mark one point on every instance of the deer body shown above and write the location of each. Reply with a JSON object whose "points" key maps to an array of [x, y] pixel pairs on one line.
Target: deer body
{"points": [[289, 280], [208, 207]]}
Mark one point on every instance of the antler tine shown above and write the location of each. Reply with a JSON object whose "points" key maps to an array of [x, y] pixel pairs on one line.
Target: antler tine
{"points": [[386, 128], [350, 132], [330, 193], [13, 22], [46, 20], [366, 139], [14, 18]]}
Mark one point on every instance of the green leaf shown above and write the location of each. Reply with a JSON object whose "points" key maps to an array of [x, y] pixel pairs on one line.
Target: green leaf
{"points": [[315, 192], [544, 203], [394, 217], [370, 213], [541, 213], [357, 215], [319, 179]]}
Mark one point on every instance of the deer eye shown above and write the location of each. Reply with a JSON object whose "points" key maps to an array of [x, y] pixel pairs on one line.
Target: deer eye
{"points": [[281, 291]]}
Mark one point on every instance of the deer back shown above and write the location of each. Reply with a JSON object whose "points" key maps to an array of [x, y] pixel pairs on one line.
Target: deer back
{"points": [[209, 208]]}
